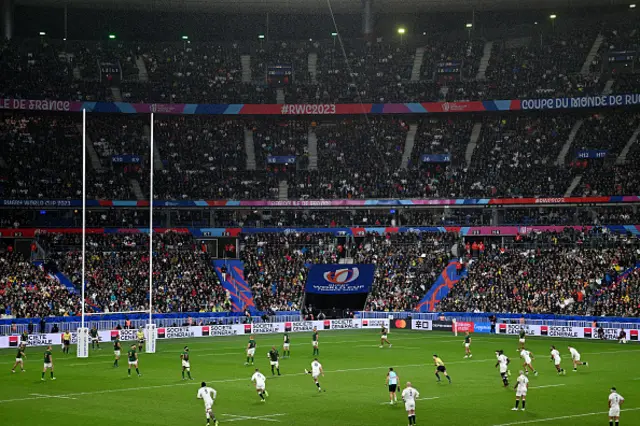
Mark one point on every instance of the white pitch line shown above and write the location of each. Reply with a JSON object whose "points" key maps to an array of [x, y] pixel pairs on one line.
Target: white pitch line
{"points": [[548, 386], [551, 419], [284, 375], [265, 418], [51, 396]]}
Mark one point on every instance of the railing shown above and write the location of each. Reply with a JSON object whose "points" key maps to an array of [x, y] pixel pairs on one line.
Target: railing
{"points": [[17, 326], [527, 319]]}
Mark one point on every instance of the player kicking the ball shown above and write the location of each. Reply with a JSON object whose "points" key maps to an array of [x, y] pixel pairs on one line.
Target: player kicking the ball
{"points": [[383, 337], [440, 368], [409, 396], [316, 371], [261, 384], [186, 365], [467, 345], [208, 395], [521, 388], [575, 357], [555, 357], [527, 357]]}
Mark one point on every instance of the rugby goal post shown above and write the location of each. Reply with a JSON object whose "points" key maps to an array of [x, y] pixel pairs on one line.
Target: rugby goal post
{"points": [[455, 327], [82, 340], [82, 336]]}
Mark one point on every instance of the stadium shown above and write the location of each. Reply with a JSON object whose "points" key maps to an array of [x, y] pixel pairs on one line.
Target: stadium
{"points": [[308, 212]]}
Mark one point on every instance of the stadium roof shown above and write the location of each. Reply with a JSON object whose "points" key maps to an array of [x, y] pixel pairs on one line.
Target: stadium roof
{"points": [[317, 6]]}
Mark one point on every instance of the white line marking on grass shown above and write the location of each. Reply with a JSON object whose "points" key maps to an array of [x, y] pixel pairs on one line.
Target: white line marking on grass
{"points": [[548, 386], [266, 417], [551, 419], [52, 396]]}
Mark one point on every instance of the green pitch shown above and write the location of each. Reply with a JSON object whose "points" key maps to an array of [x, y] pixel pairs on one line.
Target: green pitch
{"points": [[92, 392]]}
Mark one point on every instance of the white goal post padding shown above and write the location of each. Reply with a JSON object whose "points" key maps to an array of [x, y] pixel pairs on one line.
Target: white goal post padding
{"points": [[152, 335], [83, 342]]}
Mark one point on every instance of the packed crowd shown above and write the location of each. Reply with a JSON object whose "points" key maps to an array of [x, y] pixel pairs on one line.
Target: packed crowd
{"points": [[570, 273], [117, 271]]}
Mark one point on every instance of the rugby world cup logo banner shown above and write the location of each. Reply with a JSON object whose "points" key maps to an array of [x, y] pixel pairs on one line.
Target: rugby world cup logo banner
{"points": [[340, 279]]}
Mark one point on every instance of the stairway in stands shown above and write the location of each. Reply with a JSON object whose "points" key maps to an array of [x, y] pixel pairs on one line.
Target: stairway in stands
{"points": [[234, 283]]}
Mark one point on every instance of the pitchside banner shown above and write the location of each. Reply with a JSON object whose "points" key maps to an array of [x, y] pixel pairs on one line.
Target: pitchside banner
{"points": [[340, 279]]}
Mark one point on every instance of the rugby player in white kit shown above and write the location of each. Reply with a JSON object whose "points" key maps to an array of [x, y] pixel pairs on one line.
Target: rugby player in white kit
{"points": [[409, 396], [615, 401], [208, 395], [575, 357], [521, 388], [527, 357], [555, 357], [261, 384], [316, 371]]}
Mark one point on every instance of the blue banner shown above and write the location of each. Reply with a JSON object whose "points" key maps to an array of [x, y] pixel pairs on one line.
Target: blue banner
{"points": [[340, 279], [436, 158], [592, 153], [134, 159], [281, 159]]}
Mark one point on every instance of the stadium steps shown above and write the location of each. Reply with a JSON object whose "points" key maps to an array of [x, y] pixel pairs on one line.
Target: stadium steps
{"points": [[574, 184], [484, 61], [283, 190], [622, 158], [238, 290], [143, 75], [157, 159], [135, 186], [93, 155], [473, 142], [116, 94], [417, 64], [312, 147], [569, 142], [409, 142], [280, 96], [608, 87], [249, 149], [312, 65], [245, 60], [591, 55]]}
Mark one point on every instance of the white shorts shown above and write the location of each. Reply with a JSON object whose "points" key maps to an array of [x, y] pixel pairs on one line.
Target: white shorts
{"points": [[614, 412], [94, 339], [275, 363], [260, 386], [384, 336], [48, 365], [503, 371], [521, 393], [315, 343], [19, 360], [251, 352], [135, 363], [186, 364], [207, 407], [466, 345], [576, 357], [410, 405], [527, 360], [116, 353], [285, 346], [315, 376], [556, 361], [521, 340]]}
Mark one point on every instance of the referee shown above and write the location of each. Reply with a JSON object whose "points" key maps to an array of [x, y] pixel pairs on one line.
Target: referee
{"points": [[392, 381], [440, 368]]}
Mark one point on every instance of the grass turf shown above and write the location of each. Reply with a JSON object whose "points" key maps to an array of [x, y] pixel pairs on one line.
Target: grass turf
{"points": [[92, 392]]}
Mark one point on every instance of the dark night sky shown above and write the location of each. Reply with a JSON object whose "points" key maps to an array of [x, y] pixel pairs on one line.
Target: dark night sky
{"points": [[170, 26]]}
